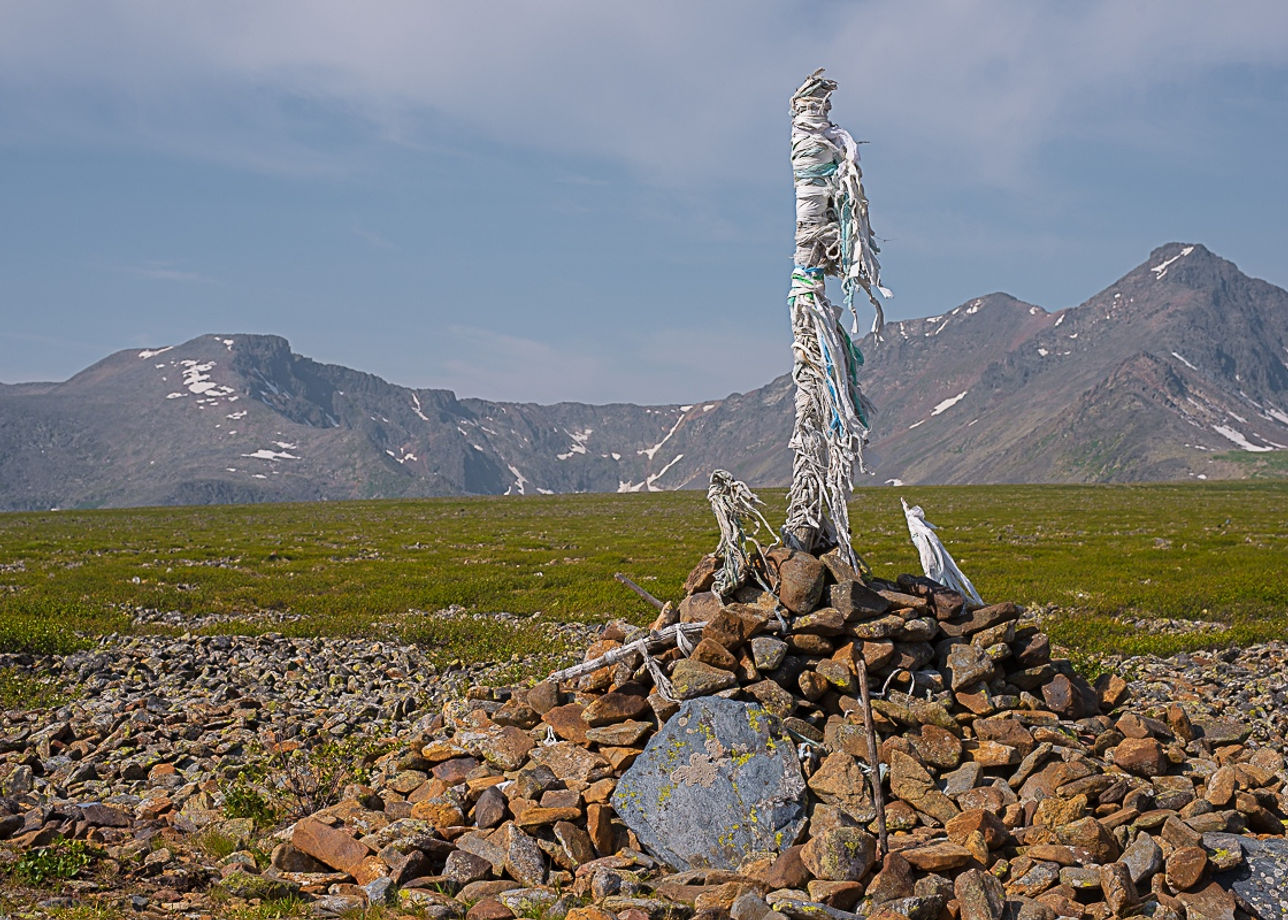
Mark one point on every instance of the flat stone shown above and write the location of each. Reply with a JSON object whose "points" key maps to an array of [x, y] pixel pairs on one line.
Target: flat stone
{"points": [[1006, 730], [1039, 877], [1056, 810], [453, 771], [840, 854], [543, 697], [328, 845], [910, 781], [571, 763], [700, 607], [884, 627], [961, 780], [772, 696], [938, 747], [1141, 756], [1117, 887], [825, 621], [856, 600], [1080, 878], [615, 706], [708, 651], [1220, 733], [703, 575], [978, 820], [528, 902], [994, 754], [575, 842], [537, 816], [1221, 787], [96, 814], [524, 859], [506, 748], [489, 909], [893, 881], [1211, 903], [620, 734], [462, 867], [1185, 867], [1092, 836], [841, 895], [787, 870], [489, 808], [937, 857], [878, 653], [1143, 859], [567, 722], [1224, 851], [839, 781], [968, 665], [439, 811], [767, 652], [1070, 698], [692, 679], [800, 579], [725, 627], [688, 796], [979, 895], [838, 676], [979, 619]]}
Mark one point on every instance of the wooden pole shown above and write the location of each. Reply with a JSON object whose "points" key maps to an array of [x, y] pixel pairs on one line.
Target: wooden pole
{"points": [[874, 758], [640, 591]]}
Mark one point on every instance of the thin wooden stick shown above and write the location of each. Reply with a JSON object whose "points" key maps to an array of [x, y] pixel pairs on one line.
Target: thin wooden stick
{"points": [[640, 591], [654, 641], [874, 761]]}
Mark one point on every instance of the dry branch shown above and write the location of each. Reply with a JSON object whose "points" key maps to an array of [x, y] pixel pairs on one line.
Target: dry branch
{"points": [[649, 644]]}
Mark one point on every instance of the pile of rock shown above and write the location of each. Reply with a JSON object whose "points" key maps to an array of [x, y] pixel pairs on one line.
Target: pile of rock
{"points": [[1015, 787]]}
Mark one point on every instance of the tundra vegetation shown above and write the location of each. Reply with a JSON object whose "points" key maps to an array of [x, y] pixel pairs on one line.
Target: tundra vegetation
{"points": [[1098, 559]]}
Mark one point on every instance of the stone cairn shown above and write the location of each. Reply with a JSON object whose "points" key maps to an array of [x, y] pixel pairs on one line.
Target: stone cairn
{"points": [[735, 780]]}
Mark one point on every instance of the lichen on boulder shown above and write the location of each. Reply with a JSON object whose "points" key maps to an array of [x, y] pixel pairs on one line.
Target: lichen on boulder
{"points": [[719, 781]]}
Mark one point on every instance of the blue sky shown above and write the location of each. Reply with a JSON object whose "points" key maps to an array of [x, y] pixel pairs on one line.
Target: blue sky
{"points": [[591, 201]]}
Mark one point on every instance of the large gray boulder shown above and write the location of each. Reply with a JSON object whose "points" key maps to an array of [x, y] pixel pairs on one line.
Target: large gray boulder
{"points": [[718, 781], [1260, 882]]}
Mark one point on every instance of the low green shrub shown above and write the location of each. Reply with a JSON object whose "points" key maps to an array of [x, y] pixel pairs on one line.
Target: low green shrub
{"points": [[61, 860]]}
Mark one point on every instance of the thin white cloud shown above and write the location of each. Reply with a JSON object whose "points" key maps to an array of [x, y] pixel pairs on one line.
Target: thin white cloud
{"points": [[164, 271], [374, 238]]}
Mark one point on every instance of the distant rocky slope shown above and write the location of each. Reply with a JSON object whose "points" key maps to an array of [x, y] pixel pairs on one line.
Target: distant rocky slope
{"points": [[1177, 370]]}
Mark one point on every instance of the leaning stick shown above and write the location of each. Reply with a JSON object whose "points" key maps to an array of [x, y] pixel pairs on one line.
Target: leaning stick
{"points": [[640, 591], [653, 642], [874, 760]]}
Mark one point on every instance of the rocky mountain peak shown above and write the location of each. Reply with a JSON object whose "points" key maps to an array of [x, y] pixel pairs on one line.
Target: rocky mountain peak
{"points": [[1180, 364]]}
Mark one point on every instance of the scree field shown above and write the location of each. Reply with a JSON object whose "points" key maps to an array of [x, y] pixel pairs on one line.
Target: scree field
{"points": [[1097, 559]]}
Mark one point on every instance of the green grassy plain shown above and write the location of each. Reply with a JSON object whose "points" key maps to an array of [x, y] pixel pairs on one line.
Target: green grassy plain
{"points": [[1199, 551]]}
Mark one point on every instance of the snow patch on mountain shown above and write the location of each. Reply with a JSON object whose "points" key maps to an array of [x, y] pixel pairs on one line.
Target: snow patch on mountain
{"points": [[1160, 269], [579, 439], [1237, 438], [948, 403], [650, 451], [520, 482]]}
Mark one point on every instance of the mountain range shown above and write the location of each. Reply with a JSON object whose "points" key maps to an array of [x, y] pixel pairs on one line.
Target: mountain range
{"points": [[1175, 371]]}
